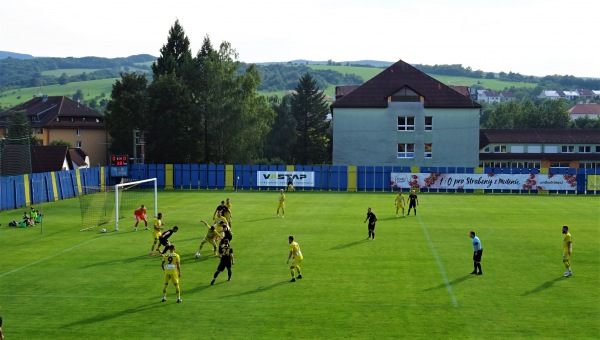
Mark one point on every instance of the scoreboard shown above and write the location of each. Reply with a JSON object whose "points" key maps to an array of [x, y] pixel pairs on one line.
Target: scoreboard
{"points": [[119, 160], [119, 165]]}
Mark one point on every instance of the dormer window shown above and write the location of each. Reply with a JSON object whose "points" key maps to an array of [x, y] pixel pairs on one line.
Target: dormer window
{"points": [[72, 119], [405, 95]]}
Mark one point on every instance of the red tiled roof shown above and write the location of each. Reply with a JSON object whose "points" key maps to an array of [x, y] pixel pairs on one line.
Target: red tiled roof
{"points": [[374, 92], [464, 90], [585, 109]]}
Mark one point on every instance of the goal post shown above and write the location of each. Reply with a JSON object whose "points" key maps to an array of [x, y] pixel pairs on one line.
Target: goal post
{"points": [[122, 193]]}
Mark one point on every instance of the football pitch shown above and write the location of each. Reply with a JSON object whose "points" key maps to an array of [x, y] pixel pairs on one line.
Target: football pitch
{"points": [[412, 281]]}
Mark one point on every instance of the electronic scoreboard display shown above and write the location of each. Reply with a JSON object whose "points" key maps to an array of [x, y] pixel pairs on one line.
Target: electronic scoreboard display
{"points": [[119, 160]]}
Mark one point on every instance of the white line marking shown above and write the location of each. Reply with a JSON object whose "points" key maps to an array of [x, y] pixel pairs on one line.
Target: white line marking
{"points": [[47, 258], [439, 263]]}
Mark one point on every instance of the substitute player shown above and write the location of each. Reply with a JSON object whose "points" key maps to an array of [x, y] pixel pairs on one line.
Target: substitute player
{"points": [[399, 202], [212, 234], [226, 255], [140, 214], [296, 256], [567, 250], [172, 268], [281, 204], [156, 232]]}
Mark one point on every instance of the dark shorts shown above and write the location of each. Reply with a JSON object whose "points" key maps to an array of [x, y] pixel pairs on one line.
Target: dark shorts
{"points": [[477, 255], [223, 265], [371, 226], [163, 241]]}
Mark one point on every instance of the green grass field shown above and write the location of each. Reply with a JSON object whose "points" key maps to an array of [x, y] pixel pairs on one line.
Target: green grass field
{"points": [[411, 282]]}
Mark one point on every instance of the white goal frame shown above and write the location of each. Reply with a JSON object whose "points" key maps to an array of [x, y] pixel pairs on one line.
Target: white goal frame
{"points": [[128, 184]]}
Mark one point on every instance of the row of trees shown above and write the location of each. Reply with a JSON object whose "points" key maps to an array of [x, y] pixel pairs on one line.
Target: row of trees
{"points": [[544, 114], [200, 109]]}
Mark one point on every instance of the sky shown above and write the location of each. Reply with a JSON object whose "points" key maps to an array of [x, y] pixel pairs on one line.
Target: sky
{"points": [[530, 37]]}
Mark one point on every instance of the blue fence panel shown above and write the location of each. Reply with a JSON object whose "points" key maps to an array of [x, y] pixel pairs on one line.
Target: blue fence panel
{"points": [[211, 182], [247, 177], [220, 169], [178, 176], [202, 176], [361, 178], [378, 180]]}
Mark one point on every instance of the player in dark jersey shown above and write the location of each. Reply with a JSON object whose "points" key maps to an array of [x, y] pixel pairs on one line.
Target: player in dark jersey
{"points": [[226, 255], [226, 232], [372, 219], [164, 238], [222, 208]]}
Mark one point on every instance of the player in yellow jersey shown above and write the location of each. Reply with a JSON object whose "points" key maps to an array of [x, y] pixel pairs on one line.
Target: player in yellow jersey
{"points": [[296, 256], [212, 234], [399, 202], [158, 226], [227, 213], [281, 204], [172, 268], [567, 250]]}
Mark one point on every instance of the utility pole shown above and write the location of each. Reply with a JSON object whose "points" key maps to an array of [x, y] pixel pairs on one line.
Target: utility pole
{"points": [[139, 139]]}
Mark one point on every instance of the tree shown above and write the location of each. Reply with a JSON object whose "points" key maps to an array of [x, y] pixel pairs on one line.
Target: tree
{"points": [[171, 137], [19, 131], [127, 110], [282, 138], [175, 55], [310, 109], [61, 142], [78, 96], [63, 79]]}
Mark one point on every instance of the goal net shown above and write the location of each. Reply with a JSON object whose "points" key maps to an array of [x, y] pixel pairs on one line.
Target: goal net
{"points": [[103, 206]]}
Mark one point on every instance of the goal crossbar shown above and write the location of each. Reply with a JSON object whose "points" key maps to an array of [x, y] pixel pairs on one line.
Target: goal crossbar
{"points": [[122, 186]]}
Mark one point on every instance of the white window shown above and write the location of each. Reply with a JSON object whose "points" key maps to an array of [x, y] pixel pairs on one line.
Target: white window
{"points": [[406, 123], [78, 144], [486, 149], [406, 150], [428, 123], [534, 149], [500, 148], [78, 132], [551, 149], [428, 150], [567, 149], [585, 149], [517, 149], [559, 165]]}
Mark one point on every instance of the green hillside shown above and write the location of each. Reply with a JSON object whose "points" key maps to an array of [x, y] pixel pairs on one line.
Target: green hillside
{"points": [[91, 89], [95, 88]]}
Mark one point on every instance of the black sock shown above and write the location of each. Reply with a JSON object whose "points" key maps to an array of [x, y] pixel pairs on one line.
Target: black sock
{"points": [[373, 235], [475, 267], [216, 274], [479, 266], [228, 274]]}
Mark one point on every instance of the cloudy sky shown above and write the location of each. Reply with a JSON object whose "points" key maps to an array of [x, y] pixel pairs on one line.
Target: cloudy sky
{"points": [[531, 37]]}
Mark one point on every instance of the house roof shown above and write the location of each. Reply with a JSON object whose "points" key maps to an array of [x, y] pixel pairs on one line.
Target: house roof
{"points": [[44, 111], [374, 93], [507, 94], [585, 109], [586, 92], [538, 136], [464, 90], [341, 91], [48, 158], [76, 156]]}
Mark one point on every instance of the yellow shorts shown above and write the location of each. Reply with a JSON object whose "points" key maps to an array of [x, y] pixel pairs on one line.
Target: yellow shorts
{"points": [[213, 242], [171, 277], [156, 235], [296, 262], [566, 256]]}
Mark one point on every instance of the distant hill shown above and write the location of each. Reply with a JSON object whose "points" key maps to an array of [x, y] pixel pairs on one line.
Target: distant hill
{"points": [[5, 54], [373, 63]]}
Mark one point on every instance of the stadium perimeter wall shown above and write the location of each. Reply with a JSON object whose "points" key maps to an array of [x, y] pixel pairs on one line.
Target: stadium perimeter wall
{"points": [[26, 190]]}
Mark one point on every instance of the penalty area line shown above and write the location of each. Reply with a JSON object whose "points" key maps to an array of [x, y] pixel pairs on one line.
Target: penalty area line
{"points": [[47, 258], [439, 263]]}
